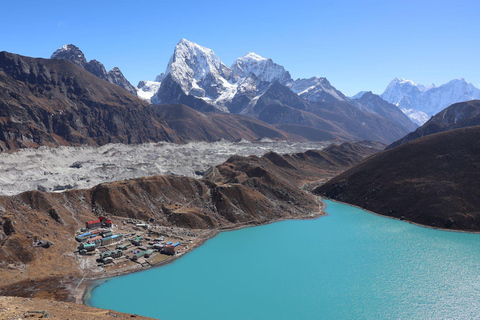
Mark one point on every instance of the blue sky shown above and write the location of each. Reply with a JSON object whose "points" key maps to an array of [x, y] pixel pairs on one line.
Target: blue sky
{"points": [[357, 45]]}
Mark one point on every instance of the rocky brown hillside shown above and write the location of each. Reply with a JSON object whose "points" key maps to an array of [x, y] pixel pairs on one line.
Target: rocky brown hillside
{"points": [[192, 125], [54, 102], [432, 181], [74, 54], [21, 308], [242, 191], [458, 115]]}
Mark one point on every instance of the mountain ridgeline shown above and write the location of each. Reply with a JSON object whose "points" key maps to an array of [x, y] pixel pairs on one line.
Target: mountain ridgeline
{"points": [[74, 54], [420, 102], [260, 88], [55, 102], [458, 115], [431, 180]]}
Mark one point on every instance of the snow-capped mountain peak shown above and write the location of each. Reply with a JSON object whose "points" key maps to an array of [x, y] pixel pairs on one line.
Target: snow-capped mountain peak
{"points": [[264, 69], [408, 83], [428, 100], [192, 64], [252, 56]]}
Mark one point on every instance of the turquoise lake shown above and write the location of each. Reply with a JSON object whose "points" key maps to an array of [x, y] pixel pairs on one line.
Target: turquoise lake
{"points": [[350, 264]]}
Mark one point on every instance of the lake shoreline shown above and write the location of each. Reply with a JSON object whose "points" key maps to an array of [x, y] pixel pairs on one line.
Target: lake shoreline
{"points": [[403, 220], [82, 292]]}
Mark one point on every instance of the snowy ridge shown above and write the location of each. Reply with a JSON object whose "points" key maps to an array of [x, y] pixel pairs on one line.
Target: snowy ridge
{"points": [[418, 117], [201, 74], [264, 69], [192, 64], [146, 89], [420, 102]]}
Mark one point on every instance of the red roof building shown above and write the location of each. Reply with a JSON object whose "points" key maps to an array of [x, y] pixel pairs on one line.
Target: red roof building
{"points": [[93, 224]]}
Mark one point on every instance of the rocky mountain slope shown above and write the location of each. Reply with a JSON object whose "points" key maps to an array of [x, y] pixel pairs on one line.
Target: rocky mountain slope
{"points": [[242, 191], [317, 89], [280, 105], [74, 54], [458, 115], [431, 181], [55, 102], [375, 104], [192, 125], [421, 102]]}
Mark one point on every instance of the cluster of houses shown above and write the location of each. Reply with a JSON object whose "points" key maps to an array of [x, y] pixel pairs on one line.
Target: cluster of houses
{"points": [[97, 233]]}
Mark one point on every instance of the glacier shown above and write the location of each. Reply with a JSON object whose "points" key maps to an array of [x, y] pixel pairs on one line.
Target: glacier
{"points": [[57, 169]]}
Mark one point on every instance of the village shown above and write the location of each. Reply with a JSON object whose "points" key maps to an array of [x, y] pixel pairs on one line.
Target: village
{"points": [[132, 242]]}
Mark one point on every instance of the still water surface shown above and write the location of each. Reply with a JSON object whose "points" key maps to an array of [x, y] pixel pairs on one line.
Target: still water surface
{"points": [[350, 264]]}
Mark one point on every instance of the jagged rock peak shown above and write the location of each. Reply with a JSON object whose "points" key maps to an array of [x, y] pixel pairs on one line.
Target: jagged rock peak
{"points": [[71, 53], [317, 89], [262, 68], [197, 70], [194, 61]]}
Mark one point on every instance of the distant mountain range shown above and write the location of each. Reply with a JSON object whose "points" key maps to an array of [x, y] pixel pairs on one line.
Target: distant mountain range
{"points": [[260, 88], [53, 102], [420, 102], [252, 87], [196, 77]]}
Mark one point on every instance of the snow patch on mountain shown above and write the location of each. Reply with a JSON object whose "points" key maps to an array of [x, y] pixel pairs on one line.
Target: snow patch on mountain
{"points": [[418, 117], [146, 89]]}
